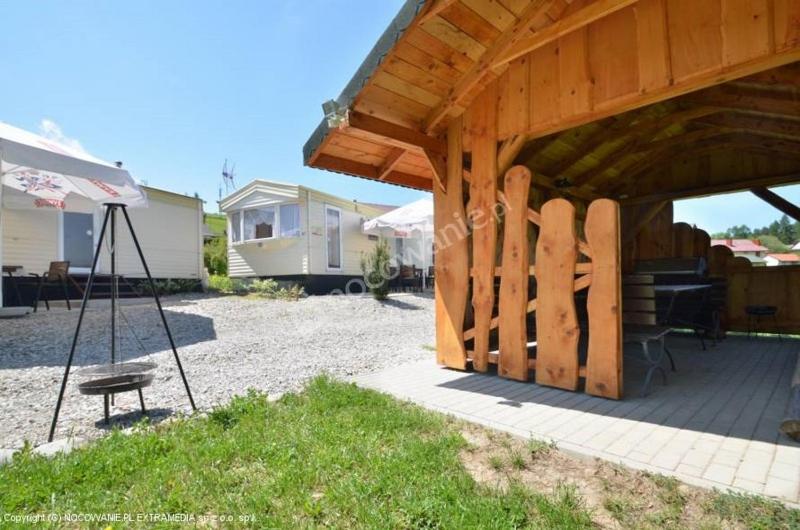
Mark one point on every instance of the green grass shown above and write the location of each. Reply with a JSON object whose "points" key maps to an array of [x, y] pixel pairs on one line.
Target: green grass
{"points": [[753, 512], [217, 223], [332, 456]]}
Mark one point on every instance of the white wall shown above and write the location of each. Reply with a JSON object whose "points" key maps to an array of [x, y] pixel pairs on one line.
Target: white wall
{"points": [[169, 230]]}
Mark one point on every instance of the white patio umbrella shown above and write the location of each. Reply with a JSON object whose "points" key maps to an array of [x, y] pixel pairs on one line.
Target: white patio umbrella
{"points": [[414, 217], [39, 173]]}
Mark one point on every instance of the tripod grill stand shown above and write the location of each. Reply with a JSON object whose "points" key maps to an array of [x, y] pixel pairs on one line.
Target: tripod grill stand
{"points": [[119, 380]]}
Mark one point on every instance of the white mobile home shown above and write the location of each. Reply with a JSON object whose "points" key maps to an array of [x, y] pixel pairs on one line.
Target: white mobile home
{"points": [[169, 230], [298, 234]]}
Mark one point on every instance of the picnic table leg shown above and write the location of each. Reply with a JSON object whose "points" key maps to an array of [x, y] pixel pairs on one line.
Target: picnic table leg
{"points": [[105, 409]]}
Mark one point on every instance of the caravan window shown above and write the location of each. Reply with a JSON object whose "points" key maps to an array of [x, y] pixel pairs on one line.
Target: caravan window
{"points": [[259, 223], [236, 227], [290, 220]]}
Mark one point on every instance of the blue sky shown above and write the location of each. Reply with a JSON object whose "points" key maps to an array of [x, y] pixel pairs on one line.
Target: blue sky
{"points": [[173, 88]]}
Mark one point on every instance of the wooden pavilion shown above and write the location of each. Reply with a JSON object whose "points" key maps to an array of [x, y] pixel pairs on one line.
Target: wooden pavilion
{"points": [[554, 135]]}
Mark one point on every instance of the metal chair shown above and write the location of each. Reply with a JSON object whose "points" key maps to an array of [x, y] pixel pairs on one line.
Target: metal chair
{"points": [[57, 274]]}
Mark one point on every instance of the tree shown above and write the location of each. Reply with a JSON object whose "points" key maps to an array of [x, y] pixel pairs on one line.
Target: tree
{"points": [[215, 256]]}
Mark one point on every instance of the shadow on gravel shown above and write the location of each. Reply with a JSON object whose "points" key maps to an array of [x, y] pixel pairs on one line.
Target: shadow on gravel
{"points": [[45, 339], [128, 419], [400, 304]]}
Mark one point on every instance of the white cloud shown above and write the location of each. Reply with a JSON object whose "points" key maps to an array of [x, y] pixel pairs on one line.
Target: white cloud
{"points": [[52, 131]]}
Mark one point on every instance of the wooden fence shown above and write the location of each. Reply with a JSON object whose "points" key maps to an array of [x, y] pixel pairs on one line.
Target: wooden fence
{"points": [[748, 285], [562, 264]]}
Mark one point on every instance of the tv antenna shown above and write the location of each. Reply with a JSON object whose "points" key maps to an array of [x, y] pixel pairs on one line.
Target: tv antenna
{"points": [[228, 177]]}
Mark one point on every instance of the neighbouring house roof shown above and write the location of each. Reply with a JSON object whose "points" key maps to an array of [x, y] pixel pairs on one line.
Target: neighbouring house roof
{"points": [[740, 245], [282, 191], [796, 246], [785, 258]]}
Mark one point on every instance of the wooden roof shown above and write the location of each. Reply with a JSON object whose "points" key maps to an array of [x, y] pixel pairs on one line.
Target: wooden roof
{"points": [[632, 99]]}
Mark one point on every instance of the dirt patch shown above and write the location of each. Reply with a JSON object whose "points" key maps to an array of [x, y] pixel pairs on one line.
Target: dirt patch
{"points": [[616, 496]]}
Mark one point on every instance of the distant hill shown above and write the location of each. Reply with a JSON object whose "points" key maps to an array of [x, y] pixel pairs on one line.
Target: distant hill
{"points": [[217, 223]]}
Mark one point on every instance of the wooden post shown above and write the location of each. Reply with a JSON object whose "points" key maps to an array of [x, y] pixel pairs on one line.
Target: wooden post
{"points": [[452, 267], [483, 193], [557, 329], [791, 423], [604, 304], [513, 361]]}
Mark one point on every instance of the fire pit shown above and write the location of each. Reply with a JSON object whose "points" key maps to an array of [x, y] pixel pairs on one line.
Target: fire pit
{"points": [[109, 379]]}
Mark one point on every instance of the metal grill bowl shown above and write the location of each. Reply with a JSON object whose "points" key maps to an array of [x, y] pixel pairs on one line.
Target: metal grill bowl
{"points": [[115, 378]]}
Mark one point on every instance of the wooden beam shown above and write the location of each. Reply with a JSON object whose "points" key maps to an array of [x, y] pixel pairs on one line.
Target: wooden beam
{"points": [[776, 127], [592, 12], [773, 199], [769, 180], [438, 165], [483, 67], [679, 150], [433, 9], [725, 98], [391, 162], [641, 140], [391, 133], [352, 167], [509, 150]]}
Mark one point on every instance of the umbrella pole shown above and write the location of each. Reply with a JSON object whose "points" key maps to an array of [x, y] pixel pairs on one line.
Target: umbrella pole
{"points": [[86, 293], [158, 302]]}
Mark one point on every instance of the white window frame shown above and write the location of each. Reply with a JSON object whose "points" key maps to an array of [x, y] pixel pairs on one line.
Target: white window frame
{"points": [[328, 268], [95, 234], [276, 227]]}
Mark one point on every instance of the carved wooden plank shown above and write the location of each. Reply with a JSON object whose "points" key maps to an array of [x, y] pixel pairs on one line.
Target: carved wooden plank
{"points": [[452, 260], [483, 191], [557, 330], [604, 361], [513, 303], [683, 240]]}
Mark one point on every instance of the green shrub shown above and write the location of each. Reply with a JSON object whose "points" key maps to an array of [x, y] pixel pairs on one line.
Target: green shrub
{"points": [[375, 267], [215, 256], [226, 285], [171, 286], [267, 288]]}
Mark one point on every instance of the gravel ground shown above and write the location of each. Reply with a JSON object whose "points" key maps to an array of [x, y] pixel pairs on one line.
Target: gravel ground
{"points": [[226, 345]]}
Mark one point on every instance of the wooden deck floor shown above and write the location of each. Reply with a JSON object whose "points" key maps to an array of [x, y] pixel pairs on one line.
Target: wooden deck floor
{"points": [[715, 423]]}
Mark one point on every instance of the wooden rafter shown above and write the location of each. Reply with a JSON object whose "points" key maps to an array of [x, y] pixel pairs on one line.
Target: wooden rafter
{"points": [[391, 133], [616, 130], [391, 162], [438, 165], [594, 11], [433, 9], [642, 136], [773, 199], [712, 189], [761, 103], [352, 167], [779, 128], [483, 66]]}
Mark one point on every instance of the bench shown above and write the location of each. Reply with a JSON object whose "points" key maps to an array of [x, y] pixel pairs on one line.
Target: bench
{"points": [[640, 324]]}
